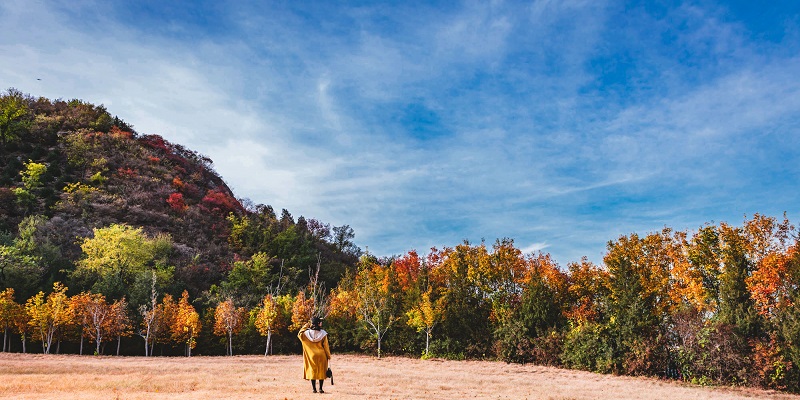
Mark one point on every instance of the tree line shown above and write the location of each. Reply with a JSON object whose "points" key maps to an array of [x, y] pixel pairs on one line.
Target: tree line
{"points": [[102, 229], [718, 305]]}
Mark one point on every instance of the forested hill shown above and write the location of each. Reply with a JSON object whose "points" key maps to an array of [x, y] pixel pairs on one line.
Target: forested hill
{"points": [[71, 171]]}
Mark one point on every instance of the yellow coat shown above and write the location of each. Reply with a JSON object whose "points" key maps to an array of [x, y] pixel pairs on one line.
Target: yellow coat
{"points": [[316, 353]]}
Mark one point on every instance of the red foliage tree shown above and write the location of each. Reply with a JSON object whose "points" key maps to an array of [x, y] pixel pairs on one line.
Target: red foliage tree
{"points": [[175, 201]]}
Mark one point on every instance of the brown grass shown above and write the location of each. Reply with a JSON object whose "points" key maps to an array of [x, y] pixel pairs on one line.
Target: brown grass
{"points": [[356, 377]]}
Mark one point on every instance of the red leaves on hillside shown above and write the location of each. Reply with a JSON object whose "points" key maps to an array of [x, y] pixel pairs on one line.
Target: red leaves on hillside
{"points": [[126, 172], [175, 201], [154, 142], [218, 201]]}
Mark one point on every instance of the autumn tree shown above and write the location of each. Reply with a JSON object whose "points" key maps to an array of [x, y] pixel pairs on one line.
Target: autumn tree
{"points": [[98, 312], [186, 325], [228, 321], [48, 314], [424, 315], [302, 310], [268, 319], [770, 282], [119, 324], [704, 254], [148, 313], [166, 312], [22, 325], [376, 304], [587, 290], [8, 309], [78, 307], [466, 299]]}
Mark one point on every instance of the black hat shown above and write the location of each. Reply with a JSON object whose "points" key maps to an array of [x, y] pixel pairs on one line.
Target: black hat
{"points": [[316, 321]]}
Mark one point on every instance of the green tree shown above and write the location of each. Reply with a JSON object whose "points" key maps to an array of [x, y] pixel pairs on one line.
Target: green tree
{"points": [[736, 305], [19, 270], [249, 280], [31, 181], [14, 116], [638, 276], [117, 255]]}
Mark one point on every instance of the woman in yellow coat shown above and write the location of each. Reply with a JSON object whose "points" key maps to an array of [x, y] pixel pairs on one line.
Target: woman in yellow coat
{"points": [[316, 352]]}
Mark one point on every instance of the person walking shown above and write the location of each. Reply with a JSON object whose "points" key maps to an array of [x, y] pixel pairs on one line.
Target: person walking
{"points": [[316, 352]]}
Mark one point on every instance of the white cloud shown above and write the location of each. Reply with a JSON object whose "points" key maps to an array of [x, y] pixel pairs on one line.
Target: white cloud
{"points": [[527, 141]]}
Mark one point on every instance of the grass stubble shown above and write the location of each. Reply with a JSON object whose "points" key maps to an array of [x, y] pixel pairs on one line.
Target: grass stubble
{"points": [[37, 376]]}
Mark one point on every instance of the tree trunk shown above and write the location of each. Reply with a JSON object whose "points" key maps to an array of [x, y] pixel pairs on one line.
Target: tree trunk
{"points": [[5, 338], [80, 352], [58, 346], [23, 344], [230, 343], [119, 341], [427, 342], [269, 336], [379, 346]]}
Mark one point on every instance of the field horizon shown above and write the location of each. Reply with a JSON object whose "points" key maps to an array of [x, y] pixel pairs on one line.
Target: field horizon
{"points": [[39, 376]]}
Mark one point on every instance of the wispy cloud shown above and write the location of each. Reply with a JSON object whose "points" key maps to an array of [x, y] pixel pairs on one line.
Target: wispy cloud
{"points": [[562, 124]]}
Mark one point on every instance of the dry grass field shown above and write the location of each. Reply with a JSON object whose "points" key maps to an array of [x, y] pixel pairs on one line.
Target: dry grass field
{"points": [[356, 377]]}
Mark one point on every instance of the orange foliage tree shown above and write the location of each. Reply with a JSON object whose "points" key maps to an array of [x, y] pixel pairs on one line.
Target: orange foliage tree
{"points": [[186, 324], [228, 321]]}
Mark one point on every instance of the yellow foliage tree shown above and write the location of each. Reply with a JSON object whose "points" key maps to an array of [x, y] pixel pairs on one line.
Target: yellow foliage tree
{"points": [[424, 315], [8, 307], [186, 325], [228, 320], [268, 319], [22, 325], [48, 315]]}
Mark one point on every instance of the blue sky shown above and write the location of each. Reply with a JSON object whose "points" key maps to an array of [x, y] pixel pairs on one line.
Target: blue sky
{"points": [[559, 124]]}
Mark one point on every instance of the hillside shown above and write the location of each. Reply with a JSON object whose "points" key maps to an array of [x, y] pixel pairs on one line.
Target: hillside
{"points": [[69, 167]]}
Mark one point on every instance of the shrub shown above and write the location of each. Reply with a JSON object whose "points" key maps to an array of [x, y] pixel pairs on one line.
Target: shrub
{"points": [[589, 348]]}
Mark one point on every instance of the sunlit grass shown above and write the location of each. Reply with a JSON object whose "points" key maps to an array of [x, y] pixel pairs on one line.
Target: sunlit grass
{"points": [[356, 377]]}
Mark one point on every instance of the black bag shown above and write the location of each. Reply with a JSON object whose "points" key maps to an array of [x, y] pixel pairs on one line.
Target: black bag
{"points": [[329, 374]]}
